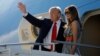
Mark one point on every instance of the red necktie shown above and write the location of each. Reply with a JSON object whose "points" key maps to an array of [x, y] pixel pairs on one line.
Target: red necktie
{"points": [[54, 34]]}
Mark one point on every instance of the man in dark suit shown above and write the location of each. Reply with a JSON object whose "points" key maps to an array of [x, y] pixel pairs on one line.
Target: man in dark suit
{"points": [[50, 29]]}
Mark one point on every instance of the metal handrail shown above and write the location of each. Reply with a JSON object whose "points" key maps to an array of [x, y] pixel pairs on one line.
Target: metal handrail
{"points": [[11, 44], [55, 42], [78, 44]]}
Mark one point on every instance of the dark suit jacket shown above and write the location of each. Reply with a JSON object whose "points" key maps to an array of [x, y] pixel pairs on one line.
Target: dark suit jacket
{"points": [[45, 26]]}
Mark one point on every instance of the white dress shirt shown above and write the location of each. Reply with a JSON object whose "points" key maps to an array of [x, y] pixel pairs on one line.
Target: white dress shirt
{"points": [[48, 37]]}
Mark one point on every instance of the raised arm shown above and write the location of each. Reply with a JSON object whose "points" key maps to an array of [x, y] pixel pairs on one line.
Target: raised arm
{"points": [[33, 20]]}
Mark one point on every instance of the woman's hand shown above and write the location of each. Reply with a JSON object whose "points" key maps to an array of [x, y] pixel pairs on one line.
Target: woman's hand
{"points": [[72, 51]]}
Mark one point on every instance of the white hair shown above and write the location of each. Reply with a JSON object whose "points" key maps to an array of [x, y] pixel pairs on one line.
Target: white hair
{"points": [[55, 7]]}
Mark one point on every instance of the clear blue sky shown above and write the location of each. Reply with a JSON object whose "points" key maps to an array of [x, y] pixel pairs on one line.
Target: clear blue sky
{"points": [[10, 16]]}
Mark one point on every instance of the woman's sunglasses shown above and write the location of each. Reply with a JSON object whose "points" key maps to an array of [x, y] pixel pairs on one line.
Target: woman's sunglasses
{"points": [[67, 12]]}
